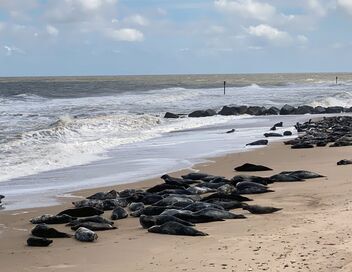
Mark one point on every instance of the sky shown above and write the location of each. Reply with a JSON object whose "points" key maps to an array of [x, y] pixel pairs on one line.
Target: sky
{"points": [[127, 37]]}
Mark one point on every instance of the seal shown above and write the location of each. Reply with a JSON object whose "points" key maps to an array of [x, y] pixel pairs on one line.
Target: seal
{"points": [[162, 187], [233, 196], [230, 131], [135, 206], [96, 219], [195, 175], [110, 204], [175, 228], [256, 209], [247, 187], [285, 178], [42, 230], [93, 226], [226, 189], [98, 204], [170, 200], [38, 242], [302, 146], [302, 174], [249, 167], [52, 219], [208, 215], [150, 199], [256, 179], [344, 162], [104, 195], [82, 212], [227, 205], [118, 213], [272, 134], [197, 206], [259, 142], [149, 221], [85, 235]]}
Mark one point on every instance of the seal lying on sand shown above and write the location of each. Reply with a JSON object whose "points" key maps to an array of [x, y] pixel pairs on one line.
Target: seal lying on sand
{"points": [[38, 242], [93, 226], [118, 213], [85, 235], [96, 219], [175, 228], [259, 142], [248, 187], [103, 196], [43, 230], [302, 174], [249, 167], [256, 209], [82, 212], [52, 219], [344, 162], [207, 215], [285, 178], [149, 221]]}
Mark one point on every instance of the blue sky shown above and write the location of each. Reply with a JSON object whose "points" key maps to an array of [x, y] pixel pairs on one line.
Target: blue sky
{"points": [[112, 37]]}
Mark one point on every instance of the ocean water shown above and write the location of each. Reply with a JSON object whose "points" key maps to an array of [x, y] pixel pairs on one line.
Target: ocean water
{"points": [[63, 134]]}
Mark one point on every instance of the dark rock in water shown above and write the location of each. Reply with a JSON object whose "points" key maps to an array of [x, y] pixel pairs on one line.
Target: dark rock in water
{"points": [[195, 176], [38, 242], [118, 213], [302, 145], [226, 110], [319, 110], [103, 196], [2, 197], [259, 142], [272, 134], [272, 111], [95, 219], [285, 178], [287, 109], [304, 110], [273, 128], [202, 113], [302, 174], [334, 109], [43, 230], [82, 212], [248, 167], [280, 124], [344, 162], [230, 131], [247, 187], [85, 235], [255, 110], [256, 209], [149, 221], [287, 133], [93, 226], [175, 228], [171, 115], [52, 219]]}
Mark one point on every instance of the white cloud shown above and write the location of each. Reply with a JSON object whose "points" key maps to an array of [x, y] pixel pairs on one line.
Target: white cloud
{"points": [[12, 50], [269, 33], [317, 7], [137, 19], [125, 34], [247, 8], [345, 5], [302, 39], [52, 31]]}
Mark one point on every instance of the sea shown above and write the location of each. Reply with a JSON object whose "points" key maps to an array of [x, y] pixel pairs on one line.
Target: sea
{"points": [[62, 134]]}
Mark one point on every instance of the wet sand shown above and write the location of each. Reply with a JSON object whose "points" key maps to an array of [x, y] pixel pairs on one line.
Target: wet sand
{"points": [[311, 233]]}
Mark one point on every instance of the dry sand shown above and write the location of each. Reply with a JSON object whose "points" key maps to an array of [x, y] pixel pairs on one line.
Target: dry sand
{"points": [[311, 233]]}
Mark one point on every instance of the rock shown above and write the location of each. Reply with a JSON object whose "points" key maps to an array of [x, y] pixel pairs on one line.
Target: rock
{"points": [[302, 146], [259, 142], [202, 113], [280, 124], [171, 115], [334, 109], [304, 110], [287, 133], [248, 167], [272, 111], [85, 235], [344, 162], [255, 110], [287, 109], [226, 110], [319, 110], [230, 131]]}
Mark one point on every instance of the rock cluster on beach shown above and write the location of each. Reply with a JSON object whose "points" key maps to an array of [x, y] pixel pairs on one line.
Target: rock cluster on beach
{"points": [[256, 110]]}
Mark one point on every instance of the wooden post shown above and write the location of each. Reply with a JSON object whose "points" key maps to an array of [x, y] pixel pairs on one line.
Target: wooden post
{"points": [[224, 87], [336, 79]]}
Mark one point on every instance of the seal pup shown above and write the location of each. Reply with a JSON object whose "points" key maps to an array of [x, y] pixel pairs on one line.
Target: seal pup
{"points": [[38, 242], [249, 167], [85, 235], [149, 221], [82, 212], [256, 209], [118, 213], [175, 228], [42, 230], [52, 219]]}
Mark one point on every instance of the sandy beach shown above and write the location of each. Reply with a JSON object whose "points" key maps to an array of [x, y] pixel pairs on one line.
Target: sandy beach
{"points": [[311, 233]]}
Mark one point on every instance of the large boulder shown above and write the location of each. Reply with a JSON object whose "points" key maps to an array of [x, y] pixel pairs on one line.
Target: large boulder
{"points": [[233, 110], [334, 109], [272, 111], [287, 109], [171, 115], [255, 110], [304, 110], [319, 110], [202, 113]]}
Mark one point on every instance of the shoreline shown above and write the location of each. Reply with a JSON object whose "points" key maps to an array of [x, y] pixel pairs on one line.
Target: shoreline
{"points": [[311, 233]]}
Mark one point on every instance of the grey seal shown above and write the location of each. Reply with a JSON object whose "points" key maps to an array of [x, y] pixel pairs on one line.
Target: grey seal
{"points": [[149, 221], [85, 235], [175, 228], [82, 212], [42, 230], [38, 242], [52, 219], [118, 213], [249, 167], [96, 219], [256, 209], [93, 226]]}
